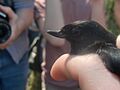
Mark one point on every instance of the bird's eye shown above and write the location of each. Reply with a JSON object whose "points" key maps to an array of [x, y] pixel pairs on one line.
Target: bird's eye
{"points": [[75, 32]]}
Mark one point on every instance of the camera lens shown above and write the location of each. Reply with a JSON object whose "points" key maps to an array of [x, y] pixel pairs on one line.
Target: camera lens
{"points": [[5, 32], [5, 29]]}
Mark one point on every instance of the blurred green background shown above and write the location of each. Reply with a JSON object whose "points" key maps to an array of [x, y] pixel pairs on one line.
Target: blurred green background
{"points": [[112, 26]]}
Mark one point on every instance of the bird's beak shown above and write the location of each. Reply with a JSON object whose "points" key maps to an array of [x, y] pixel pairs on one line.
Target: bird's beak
{"points": [[56, 34]]}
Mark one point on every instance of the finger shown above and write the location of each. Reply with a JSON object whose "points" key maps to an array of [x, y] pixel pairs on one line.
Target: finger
{"points": [[7, 10], [118, 41], [3, 46], [58, 70]]}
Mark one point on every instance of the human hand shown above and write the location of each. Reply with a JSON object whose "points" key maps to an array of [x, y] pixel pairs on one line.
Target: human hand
{"points": [[88, 70], [39, 14], [12, 21], [40, 6], [118, 41], [72, 66]]}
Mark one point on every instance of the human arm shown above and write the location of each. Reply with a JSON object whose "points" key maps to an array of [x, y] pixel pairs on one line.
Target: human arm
{"points": [[43, 24], [88, 70], [58, 42], [98, 11], [18, 21], [117, 18], [117, 12], [118, 41]]}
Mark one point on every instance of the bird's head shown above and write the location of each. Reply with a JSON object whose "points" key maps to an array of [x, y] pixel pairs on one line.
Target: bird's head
{"points": [[69, 31], [83, 31]]}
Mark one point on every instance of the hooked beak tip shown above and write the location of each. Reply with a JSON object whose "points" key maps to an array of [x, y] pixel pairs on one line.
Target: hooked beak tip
{"points": [[56, 34]]}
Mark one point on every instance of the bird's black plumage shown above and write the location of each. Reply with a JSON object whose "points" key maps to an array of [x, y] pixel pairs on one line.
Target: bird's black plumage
{"points": [[90, 37]]}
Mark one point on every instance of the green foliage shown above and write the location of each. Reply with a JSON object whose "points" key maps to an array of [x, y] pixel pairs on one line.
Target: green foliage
{"points": [[34, 81], [112, 26]]}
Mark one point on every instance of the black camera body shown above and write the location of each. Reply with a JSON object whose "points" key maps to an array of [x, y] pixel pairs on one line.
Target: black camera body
{"points": [[5, 28]]}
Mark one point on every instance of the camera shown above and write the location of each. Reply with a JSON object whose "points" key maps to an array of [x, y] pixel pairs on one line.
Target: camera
{"points": [[5, 28]]}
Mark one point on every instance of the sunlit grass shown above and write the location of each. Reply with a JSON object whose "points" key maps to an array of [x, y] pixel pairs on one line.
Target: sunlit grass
{"points": [[34, 81]]}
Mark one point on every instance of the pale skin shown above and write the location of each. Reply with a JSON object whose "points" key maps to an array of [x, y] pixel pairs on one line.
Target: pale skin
{"points": [[41, 21], [117, 12], [118, 41], [97, 14], [98, 11], [88, 70], [117, 18], [19, 22], [91, 73]]}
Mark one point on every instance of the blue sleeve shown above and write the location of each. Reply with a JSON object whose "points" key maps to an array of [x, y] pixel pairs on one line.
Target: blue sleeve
{"points": [[19, 4]]}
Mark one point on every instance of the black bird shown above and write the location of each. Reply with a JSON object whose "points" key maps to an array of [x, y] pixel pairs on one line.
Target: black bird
{"points": [[90, 37]]}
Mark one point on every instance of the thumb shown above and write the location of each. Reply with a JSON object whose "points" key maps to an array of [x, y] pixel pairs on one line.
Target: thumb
{"points": [[118, 41], [58, 71]]}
